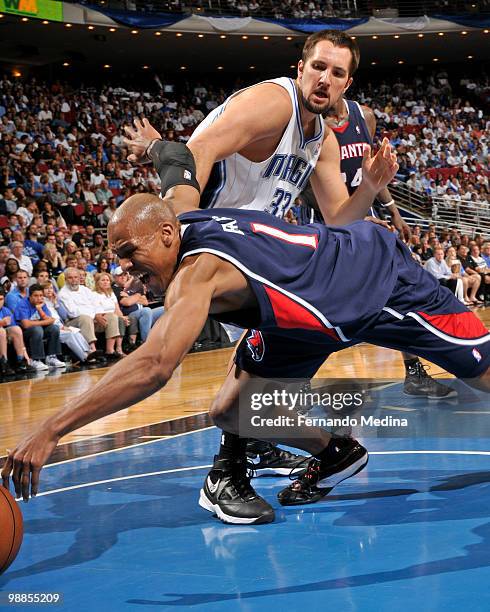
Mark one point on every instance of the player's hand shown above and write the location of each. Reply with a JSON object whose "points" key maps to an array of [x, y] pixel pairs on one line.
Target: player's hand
{"points": [[26, 461], [402, 227], [377, 221], [139, 139], [378, 171]]}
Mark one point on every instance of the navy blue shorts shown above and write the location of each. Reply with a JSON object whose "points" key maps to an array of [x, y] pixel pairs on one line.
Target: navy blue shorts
{"points": [[433, 324]]}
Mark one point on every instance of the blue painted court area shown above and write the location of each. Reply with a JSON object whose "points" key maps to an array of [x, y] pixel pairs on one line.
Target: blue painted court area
{"points": [[411, 532]]}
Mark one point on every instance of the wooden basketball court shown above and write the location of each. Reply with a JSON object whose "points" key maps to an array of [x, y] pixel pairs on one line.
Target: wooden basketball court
{"points": [[26, 403]]}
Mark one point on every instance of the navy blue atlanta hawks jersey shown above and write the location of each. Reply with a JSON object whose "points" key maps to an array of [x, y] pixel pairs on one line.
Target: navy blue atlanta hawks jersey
{"points": [[313, 282], [352, 136]]}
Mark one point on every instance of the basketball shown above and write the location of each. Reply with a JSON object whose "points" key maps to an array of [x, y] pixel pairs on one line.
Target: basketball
{"points": [[12, 529]]}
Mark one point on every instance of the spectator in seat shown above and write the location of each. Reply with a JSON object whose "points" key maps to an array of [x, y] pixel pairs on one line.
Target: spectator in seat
{"points": [[71, 336], [474, 278], [43, 278], [477, 262], [84, 312], [52, 258], [103, 193], [89, 217], [98, 244], [103, 264], [10, 331], [71, 262], [468, 281], [19, 291], [32, 247], [134, 305], [37, 325], [11, 269], [17, 250], [4, 255], [437, 266], [58, 198], [485, 253], [87, 193], [89, 278], [7, 201], [106, 216], [109, 305]]}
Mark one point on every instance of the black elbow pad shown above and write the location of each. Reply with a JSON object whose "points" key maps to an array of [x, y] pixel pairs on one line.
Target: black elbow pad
{"points": [[174, 163]]}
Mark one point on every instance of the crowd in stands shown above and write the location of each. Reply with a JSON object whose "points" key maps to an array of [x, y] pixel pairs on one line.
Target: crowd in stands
{"points": [[458, 261], [441, 139], [300, 10], [64, 171]]}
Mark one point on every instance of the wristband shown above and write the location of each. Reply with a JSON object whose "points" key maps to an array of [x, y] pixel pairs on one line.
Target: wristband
{"points": [[174, 163], [386, 204]]}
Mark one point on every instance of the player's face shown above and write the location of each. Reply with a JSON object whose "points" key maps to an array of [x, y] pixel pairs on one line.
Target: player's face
{"points": [[150, 258], [324, 77]]}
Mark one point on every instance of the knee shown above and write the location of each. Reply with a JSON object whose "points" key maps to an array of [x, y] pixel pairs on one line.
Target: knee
{"points": [[36, 332], [15, 331], [3, 333], [52, 330], [484, 381], [219, 412]]}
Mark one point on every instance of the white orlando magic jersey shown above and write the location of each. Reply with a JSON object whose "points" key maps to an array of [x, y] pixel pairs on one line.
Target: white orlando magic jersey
{"points": [[273, 184]]}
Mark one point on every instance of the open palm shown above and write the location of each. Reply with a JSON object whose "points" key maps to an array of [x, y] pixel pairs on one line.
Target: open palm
{"points": [[378, 170], [139, 139]]}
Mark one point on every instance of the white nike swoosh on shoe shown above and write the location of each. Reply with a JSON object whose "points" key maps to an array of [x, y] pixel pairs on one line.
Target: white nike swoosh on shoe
{"points": [[213, 487]]}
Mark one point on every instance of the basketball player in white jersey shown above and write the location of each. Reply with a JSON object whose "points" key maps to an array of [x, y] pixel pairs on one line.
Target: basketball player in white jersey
{"points": [[257, 151]]}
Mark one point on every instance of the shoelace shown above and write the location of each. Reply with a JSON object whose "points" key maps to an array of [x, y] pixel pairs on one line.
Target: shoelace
{"points": [[301, 462], [422, 370]]}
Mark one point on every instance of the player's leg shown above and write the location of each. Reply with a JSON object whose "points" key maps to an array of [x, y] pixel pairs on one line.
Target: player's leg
{"points": [[418, 383], [226, 490], [267, 458], [434, 324], [334, 458]]}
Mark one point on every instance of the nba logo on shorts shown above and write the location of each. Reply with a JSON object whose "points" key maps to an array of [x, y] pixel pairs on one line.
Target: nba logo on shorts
{"points": [[476, 354], [255, 343]]}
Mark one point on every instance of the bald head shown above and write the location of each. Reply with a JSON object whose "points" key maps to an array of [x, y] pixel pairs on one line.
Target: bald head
{"points": [[140, 215], [145, 235]]}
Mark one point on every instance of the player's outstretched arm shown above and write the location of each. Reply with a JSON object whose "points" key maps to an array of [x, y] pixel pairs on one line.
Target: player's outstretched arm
{"points": [[129, 381], [256, 114], [330, 191]]}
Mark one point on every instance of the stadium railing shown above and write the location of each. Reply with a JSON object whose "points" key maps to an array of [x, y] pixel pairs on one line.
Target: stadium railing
{"points": [[468, 218], [268, 8]]}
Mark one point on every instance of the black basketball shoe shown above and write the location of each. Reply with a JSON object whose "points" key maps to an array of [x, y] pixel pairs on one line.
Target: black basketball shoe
{"points": [[351, 458], [227, 492], [419, 384], [268, 459]]}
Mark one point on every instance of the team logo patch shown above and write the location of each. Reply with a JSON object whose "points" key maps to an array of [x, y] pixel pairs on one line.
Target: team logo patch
{"points": [[476, 354], [187, 175], [255, 343]]}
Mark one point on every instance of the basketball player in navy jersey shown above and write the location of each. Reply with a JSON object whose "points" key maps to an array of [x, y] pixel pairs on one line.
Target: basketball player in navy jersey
{"points": [[355, 126], [251, 268], [256, 151]]}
